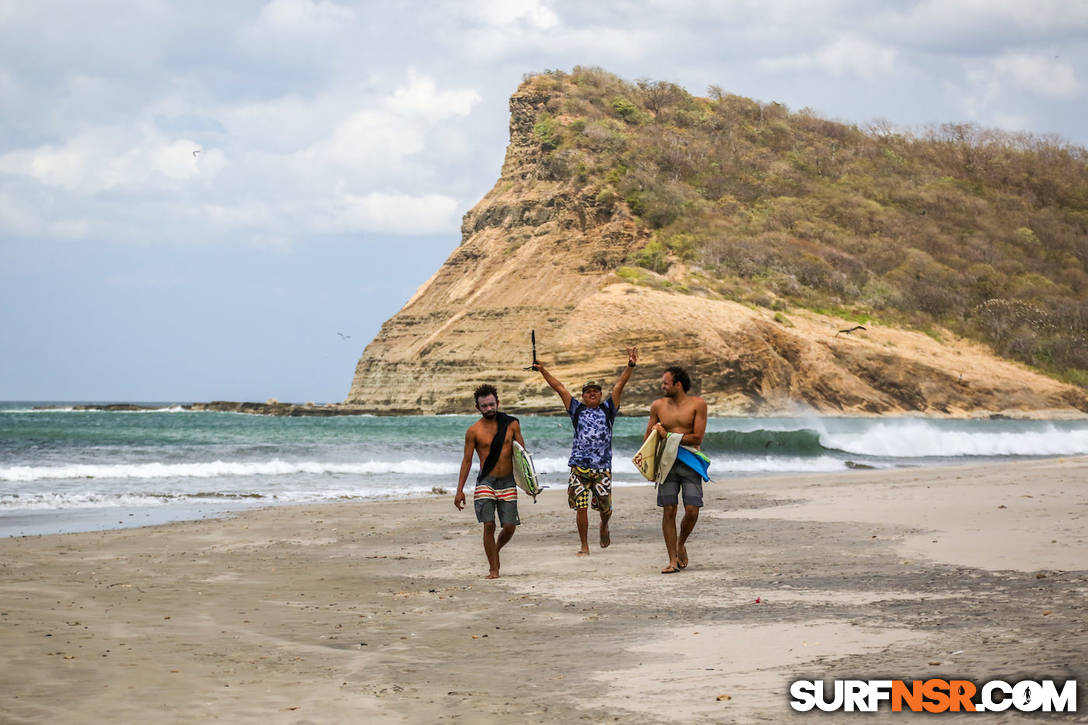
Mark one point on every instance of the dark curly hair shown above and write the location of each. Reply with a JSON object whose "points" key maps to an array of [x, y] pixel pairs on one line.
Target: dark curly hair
{"points": [[679, 375], [483, 391]]}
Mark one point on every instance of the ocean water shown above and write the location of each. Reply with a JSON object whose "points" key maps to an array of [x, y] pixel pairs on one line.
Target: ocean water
{"points": [[67, 470]]}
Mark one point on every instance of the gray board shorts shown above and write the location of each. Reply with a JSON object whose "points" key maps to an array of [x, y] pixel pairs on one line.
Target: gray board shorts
{"points": [[493, 495], [681, 477]]}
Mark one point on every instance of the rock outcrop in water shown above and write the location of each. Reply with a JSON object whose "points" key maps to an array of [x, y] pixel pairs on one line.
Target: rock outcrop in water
{"points": [[544, 254]]}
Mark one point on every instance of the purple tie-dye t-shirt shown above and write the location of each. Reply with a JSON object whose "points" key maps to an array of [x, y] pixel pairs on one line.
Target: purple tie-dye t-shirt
{"points": [[592, 447]]}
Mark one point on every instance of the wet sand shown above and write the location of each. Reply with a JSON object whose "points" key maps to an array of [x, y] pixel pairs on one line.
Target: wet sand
{"points": [[380, 612]]}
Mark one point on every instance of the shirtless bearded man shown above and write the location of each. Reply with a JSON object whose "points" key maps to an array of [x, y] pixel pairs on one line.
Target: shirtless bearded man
{"points": [[678, 412], [491, 438]]}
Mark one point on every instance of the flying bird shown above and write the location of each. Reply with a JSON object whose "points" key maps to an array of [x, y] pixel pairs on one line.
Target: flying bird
{"points": [[196, 152], [343, 336], [852, 329]]}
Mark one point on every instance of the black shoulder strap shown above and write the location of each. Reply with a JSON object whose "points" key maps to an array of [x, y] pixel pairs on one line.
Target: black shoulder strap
{"points": [[504, 422]]}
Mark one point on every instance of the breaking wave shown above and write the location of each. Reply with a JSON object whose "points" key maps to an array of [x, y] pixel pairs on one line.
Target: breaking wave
{"points": [[919, 439]]}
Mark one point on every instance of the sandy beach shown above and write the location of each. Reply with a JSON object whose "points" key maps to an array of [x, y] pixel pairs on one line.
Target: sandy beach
{"points": [[379, 612]]}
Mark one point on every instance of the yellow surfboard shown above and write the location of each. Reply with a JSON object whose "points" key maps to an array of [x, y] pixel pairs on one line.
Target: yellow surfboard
{"points": [[656, 457], [646, 458]]}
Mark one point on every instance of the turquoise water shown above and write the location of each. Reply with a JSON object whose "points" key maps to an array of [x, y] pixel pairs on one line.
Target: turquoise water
{"points": [[66, 464]]}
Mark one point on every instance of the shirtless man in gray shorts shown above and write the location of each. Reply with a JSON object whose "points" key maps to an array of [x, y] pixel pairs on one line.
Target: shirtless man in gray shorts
{"points": [[491, 438], [678, 412]]}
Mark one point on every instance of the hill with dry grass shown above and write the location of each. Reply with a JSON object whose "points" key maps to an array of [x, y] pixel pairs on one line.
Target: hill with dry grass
{"points": [[738, 238]]}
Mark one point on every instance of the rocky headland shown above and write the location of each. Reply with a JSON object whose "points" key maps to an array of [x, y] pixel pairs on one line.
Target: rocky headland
{"points": [[548, 254]]}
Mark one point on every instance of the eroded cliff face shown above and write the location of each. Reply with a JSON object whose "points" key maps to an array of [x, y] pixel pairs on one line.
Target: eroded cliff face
{"points": [[539, 254]]}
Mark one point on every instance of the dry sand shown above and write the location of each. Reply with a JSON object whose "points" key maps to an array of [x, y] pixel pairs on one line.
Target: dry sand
{"points": [[379, 612]]}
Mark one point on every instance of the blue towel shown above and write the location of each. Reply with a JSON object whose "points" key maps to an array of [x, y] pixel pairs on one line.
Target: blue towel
{"points": [[695, 461]]}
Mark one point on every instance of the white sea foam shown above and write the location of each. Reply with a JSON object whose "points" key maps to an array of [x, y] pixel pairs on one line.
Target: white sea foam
{"points": [[84, 500], [409, 467], [556, 465], [57, 500], [621, 465], [822, 464], [224, 468], [911, 439]]}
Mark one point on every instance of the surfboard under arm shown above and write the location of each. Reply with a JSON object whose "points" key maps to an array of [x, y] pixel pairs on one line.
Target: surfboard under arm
{"points": [[525, 472]]}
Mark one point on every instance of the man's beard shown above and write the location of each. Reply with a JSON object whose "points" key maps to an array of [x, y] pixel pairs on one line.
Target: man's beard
{"points": [[490, 414]]}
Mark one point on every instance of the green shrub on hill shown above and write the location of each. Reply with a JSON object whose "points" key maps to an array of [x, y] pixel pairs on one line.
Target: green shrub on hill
{"points": [[984, 232], [548, 131]]}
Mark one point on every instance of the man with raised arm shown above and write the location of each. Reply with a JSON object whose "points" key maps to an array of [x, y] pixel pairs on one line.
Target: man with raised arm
{"points": [[683, 414], [590, 482], [492, 439]]}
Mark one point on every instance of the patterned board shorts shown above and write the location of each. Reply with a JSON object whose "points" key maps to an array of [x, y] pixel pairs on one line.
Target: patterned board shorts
{"points": [[590, 487]]}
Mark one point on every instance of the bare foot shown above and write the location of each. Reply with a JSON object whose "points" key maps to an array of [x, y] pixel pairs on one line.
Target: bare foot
{"points": [[583, 552], [671, 569], [606, 537], [494, 574], [682, 557]]}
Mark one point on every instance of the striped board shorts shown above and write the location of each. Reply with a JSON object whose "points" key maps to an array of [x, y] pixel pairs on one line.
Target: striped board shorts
{"points": [[496, 495]]}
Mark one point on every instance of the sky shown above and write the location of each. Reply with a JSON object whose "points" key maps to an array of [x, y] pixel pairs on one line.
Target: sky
{"points": [[224, 201]]}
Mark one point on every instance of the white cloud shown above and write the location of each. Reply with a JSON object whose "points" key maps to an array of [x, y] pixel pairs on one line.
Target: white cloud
{"points": [[65, 167], [281, 124], [368, 139], [281, 168], [981, 91], [536, 50], [982, 28], [500, 31], [846, 56], [398, 213], [305, 16], [1004, 91], [1011, 121], [132, 159], [319, 115], [504, 13], [176, 159], [421, 97], [1037, 74], [978, 14], [300, 39]]}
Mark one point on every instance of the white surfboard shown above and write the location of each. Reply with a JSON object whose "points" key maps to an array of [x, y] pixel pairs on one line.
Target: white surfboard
{"points": [[525, 472]]}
